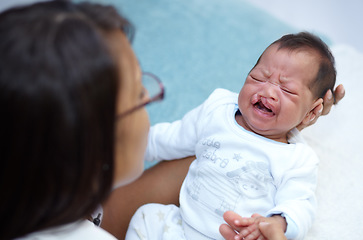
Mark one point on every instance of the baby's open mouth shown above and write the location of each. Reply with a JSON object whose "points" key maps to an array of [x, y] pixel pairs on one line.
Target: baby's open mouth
{"points": [[262, 107]]}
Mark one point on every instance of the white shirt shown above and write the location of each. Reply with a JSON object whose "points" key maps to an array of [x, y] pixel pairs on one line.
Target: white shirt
{"points": [[74, 231]]}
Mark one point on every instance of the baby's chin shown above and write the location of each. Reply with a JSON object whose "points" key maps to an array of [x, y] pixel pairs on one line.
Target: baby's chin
{"points": [[262, 130]]}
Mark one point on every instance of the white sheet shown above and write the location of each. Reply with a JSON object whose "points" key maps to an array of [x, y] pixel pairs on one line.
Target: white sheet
{"points": [[336, 139]]}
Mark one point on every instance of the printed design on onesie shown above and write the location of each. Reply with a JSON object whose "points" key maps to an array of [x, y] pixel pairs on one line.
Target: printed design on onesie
{"points": [[251, 179], [219, 185]]}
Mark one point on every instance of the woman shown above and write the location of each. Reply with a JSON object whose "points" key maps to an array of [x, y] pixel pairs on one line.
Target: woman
{"points": [[73, 120]]}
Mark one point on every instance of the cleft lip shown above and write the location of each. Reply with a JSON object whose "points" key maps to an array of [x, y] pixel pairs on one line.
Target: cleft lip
{"points": [[263, 104]]}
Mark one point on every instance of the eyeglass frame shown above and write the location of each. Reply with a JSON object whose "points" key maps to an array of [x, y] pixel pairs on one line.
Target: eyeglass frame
{"points": [[158, 97]]}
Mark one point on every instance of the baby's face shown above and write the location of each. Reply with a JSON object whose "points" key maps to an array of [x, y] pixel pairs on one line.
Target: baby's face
{"points": [[276, 96]]}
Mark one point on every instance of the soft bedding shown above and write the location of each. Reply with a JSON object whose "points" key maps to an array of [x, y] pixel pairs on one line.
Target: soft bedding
{"points": [[336, 138]]}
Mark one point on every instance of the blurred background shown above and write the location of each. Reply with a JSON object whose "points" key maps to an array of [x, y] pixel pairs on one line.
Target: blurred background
{"points": [[339, 20]]}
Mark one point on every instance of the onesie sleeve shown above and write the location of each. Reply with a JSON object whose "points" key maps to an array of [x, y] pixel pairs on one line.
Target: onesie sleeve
{"points": [[295, 198], [169, 141]]}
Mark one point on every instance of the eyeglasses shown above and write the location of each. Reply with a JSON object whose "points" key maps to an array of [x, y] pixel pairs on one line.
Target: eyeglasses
{"points": [[154, 91]]}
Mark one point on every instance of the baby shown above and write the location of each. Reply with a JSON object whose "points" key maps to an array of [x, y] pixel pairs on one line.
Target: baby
{"points": [[250, 158]]}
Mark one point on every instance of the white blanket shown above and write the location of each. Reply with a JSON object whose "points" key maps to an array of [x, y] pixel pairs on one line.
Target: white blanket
{"points": [[336, 139]]}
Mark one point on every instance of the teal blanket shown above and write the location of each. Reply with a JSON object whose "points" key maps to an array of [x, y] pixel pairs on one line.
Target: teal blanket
{"points": [[195, 46]]}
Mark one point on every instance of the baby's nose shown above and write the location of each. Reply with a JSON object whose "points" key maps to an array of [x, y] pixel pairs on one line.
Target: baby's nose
{"points": [[271, 90]]}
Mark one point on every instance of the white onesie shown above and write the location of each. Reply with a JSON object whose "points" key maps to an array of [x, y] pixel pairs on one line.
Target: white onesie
{"points": [[234, 170]]}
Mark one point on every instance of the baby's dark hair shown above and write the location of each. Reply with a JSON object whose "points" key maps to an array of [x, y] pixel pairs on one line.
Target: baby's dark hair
{"points": [[326, 76]]}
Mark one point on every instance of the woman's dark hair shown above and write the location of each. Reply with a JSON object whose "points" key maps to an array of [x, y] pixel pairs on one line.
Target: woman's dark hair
{"points": [[326, 76], [58, 89]]}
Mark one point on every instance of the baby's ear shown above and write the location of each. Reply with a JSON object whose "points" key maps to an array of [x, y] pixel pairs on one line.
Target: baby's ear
{"points": [[314, 113]]}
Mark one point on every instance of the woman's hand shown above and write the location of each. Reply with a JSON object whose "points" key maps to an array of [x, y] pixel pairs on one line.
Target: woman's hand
{"points": [[328, 102]]}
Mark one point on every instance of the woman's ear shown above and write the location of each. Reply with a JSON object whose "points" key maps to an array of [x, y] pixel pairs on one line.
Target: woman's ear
{"points": [[314, 113]]}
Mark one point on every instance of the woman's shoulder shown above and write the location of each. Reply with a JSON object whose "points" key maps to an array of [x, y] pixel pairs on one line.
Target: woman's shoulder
{"points": [[78, 230]]}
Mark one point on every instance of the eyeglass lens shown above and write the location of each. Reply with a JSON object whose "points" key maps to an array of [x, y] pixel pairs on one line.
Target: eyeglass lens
{"points": [[152, 85]]}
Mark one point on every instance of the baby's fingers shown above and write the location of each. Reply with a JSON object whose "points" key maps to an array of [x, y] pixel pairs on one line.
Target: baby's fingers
{"points": [[250, 233], [236, 221]]}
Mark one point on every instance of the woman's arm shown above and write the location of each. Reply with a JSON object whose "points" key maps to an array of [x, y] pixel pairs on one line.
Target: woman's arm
{"points": [[159, 184]]}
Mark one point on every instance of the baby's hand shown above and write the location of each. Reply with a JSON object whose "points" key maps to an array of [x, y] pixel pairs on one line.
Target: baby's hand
{"points": [[238, 228], [252, 232], [235, 225]]}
